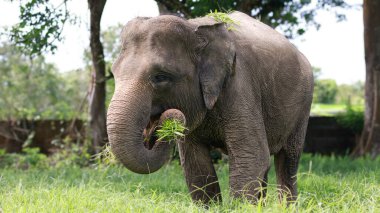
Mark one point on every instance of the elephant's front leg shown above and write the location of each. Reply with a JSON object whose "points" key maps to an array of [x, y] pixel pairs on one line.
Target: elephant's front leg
{"points": [[249, 160], [199, 171]]}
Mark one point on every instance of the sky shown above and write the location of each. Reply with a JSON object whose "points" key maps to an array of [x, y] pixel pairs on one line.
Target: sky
{"points": [[337, 47]]}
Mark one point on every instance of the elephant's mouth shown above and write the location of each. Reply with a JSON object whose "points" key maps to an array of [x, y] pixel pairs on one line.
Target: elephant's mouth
{"points": [[149, 133], [155, 120]]}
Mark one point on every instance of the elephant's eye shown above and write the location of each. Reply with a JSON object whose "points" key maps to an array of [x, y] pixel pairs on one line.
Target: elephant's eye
{"points": [[161, 79]]}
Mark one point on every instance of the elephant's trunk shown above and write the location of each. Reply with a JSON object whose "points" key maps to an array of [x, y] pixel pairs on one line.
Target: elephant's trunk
{"points": [[128, 122]]}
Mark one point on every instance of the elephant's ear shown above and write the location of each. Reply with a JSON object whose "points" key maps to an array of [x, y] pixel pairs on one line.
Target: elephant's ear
{"points": [[216, 58]]}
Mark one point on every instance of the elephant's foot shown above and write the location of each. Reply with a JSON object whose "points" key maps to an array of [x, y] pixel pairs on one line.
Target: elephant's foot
{"points": [[286, 172], [199, 171], [207, 194], [254, 191]]}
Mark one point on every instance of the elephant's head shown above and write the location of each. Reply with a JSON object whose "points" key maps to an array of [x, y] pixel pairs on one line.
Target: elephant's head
{"points": [[165, 63]]}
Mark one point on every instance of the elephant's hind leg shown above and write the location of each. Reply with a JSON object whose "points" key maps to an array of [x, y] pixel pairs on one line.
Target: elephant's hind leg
{"points": [[264, 185], [199, 171], [286, 170], [249, 166], [286, 163]]}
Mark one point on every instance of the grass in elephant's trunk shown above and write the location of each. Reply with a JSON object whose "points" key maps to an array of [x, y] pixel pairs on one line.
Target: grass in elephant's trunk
{"points": [[169, 130]]}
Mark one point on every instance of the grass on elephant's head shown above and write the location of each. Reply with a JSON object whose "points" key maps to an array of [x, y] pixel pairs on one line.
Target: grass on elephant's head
{"points": [[170, 130], [223, 18]]}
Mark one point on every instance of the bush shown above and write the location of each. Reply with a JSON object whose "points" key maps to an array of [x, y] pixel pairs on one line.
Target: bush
{"points": [[70, 153], [29, 158], [325, 91], [352, 119], [352, 94]]}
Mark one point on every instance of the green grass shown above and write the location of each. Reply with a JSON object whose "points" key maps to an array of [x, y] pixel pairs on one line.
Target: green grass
{"points": [[326, 184], [170, 130], [330, 109], [223, 18]]}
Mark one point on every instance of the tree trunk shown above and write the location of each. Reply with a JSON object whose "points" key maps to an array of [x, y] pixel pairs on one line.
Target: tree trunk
{"points": [[98, 93], [246, 7], [173, 7], [163, 10], [370, 140]]}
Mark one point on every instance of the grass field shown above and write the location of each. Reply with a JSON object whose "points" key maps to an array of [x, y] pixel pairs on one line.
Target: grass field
{"points": [[326, 184], [331, 109]]}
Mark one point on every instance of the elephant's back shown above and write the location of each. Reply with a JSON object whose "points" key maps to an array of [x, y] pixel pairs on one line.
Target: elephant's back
{"points": [[248, 28], [274, 70], [260, 38], [248, 31], [282, 72]]}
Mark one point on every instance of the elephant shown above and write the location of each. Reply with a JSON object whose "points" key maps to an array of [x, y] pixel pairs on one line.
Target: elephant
{"points": [[243, 89]]}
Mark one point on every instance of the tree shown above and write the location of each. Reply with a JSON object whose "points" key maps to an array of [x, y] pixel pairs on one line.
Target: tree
{"points": [[111, 42], [98, 94], [34, 89], [316, 73], [41, 24], [325, 91], [351, 94], [370, 140], [292, 16]]}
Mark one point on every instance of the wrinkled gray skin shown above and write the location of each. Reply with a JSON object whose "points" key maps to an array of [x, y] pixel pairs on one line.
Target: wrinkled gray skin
{"points": [[247, 91]]}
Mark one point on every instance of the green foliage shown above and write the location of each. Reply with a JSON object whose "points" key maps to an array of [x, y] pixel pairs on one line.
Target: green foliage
{"points": [[292, 17], [112, 45], [352, 119], [30, 158], [34, 89], [105, 157], [33, 157], [223, 18], [352, 94], [327, 109], [325, 184], [331, 99], [68, 153], [170, 130], [41, 24], [110, 88], [325, 91], [71, 153], [111, 42], [316, 73]]}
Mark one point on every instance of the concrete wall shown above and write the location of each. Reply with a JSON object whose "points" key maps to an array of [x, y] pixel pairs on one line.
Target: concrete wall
{"points": [[325, 136]]}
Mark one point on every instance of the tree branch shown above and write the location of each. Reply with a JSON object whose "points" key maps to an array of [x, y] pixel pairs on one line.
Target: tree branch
{"points": [[175, 5]]}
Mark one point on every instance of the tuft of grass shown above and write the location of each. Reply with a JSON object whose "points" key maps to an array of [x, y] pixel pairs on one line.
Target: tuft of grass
{"points": [[223, 18], [170, 130], [105, 157]]}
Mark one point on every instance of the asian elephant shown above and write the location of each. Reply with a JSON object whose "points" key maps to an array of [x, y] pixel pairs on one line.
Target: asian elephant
{"points": [[244, 89]]}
